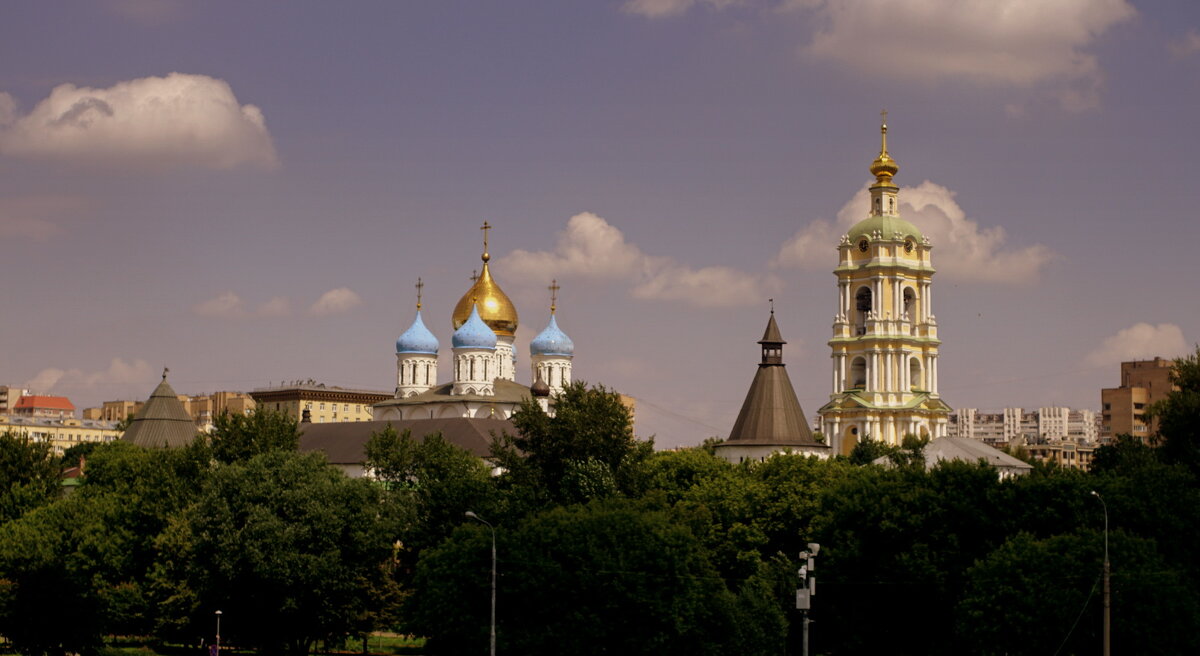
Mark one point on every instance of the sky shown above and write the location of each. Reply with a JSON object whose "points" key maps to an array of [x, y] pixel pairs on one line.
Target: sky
{"points": [[246, 192]]}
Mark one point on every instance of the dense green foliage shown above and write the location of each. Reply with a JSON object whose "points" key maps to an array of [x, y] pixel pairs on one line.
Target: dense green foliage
{"points": [[238, 437], [603, 545], [28, 475]]}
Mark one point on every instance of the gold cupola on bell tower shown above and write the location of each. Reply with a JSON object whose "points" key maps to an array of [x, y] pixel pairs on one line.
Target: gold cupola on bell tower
{"points": [[884, 167]]}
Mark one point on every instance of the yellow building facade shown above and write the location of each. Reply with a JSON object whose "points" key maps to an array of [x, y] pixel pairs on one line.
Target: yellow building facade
{"points": [[62, 434], [885, 340], [324, 404]]}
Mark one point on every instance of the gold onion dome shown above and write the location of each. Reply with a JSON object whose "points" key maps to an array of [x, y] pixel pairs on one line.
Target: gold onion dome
{"points": [[884, 167], [495, 308]]}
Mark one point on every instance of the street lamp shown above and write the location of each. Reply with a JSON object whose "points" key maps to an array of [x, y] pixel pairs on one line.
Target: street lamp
{"points": [[1107, 578], [218, 614], [808, 588], [492, 641]]}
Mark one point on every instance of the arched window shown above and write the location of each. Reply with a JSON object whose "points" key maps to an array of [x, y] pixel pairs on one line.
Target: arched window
{"points": [[909, 303], [858, 374], [862, 306], [914, 374]]}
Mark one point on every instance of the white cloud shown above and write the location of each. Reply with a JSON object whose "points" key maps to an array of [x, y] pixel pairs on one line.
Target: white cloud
{"points": [[591, 247], [278, 306], [119, 372], [1186, 46], [227, 305], [335, 301], [177, 120], [1020, 43], [962, 249], [1140, 341]]}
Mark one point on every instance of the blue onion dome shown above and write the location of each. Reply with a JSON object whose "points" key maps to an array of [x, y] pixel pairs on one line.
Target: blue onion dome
{"points": [[417, 339], [474, 333], [552, 341]]}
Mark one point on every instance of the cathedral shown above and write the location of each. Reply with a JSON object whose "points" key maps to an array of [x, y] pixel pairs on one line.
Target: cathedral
{"points": [[885, 339], [483, 383]]}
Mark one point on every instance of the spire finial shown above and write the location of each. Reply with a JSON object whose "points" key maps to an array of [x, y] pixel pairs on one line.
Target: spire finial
{"points": [[419, 286], [772, 302], [485, 227], [883, 132], [553, 295], [884, 167], [165, 371]]}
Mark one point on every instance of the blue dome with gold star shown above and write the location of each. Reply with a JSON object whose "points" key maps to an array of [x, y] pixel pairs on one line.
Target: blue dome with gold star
{"points": [[417, 339], [474, 333], [552, 341]]}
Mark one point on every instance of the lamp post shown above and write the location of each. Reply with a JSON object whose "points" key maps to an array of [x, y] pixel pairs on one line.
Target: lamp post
{"points": [[808, 588], [218, 644], [1107, 578], [492, 639]]}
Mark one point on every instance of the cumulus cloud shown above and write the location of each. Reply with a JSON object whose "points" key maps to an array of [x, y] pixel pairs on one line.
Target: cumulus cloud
{"points": [[1018, 43], [1186, 46], [335, 301], [177, 120], [1140, 341], [228, 305], [591, 247], [278, 306], [962, 249], [119, 372]]}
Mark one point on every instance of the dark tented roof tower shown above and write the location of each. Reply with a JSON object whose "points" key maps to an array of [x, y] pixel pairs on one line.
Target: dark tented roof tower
{"points": [[162, 422], [771, 418]]}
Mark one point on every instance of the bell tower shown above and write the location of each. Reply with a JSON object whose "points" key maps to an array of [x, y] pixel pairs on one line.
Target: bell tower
{"points": [[885, 343]]}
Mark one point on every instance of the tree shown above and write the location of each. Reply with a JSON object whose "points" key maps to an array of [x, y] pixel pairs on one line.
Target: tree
{"points": [[238, 437], [29, 475], [437, 480], [608, 577], [89, 556], [1179, 414], [287, 547], [585, 450], [1049, 593], [1125, 453], [867, 451]]}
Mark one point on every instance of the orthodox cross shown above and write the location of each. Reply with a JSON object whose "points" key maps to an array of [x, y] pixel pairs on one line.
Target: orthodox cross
{"points": [[485, 227], [883, 115], [419, 286], [474, 275], [553, 294]]}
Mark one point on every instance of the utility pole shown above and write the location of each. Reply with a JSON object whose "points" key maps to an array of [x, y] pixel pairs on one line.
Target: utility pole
{"points": [[1107, 582], [806, 591]]}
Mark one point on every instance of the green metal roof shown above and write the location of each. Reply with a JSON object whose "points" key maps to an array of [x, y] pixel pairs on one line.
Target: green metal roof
{"points": [[886, 225]]}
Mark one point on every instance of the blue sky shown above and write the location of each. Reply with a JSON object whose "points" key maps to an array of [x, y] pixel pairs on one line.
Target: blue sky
{"points": [[246, 192]]}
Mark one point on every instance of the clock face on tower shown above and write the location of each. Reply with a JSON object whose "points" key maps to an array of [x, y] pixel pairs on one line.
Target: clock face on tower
{"points": [[863, 244]]}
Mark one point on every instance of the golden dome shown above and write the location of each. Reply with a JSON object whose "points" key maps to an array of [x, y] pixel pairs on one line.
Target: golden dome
{"points": [[496, 310], [884, 167]]}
